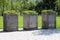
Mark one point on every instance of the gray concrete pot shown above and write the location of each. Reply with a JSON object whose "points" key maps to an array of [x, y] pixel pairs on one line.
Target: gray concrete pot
{"points": [[48, 20], [10, 22], [30, 21]]}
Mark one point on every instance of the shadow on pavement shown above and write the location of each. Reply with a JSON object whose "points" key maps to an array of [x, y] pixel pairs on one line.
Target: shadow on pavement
{"points": [[47, 32]]}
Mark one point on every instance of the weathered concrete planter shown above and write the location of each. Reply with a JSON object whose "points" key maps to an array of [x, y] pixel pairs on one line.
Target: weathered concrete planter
{"points": [[48, 20], [10, 22], [30, 21]]}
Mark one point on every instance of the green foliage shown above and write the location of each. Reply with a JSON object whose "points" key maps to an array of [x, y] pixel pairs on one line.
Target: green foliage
{"points": [[46, 4], [1, 7], [10, 12], [21, 5], [30, 12], [58, 3], [48, 11], [58, 6]]}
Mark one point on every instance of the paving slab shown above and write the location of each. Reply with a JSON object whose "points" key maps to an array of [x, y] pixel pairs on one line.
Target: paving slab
{"points": [[46, 34]]}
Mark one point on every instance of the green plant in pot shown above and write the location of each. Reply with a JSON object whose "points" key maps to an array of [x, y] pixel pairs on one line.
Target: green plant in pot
{"points": [[30, 12], [10, 12], [48, 11]]}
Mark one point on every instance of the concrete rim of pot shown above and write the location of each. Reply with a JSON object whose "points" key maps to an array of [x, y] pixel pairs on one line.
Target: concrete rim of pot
{"points": [[48, 11]]}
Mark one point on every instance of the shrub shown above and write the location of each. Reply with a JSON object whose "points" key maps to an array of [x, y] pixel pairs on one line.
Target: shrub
{"points": [[48, 11], [30, 12], [10, 12]]}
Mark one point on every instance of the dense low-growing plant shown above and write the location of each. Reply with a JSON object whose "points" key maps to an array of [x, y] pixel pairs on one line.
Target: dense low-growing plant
{"points": [[48, 11], [30, 12], [10, 12]]}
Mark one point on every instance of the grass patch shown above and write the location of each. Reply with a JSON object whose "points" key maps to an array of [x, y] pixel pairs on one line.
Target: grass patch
{"points": [[58, 21]]}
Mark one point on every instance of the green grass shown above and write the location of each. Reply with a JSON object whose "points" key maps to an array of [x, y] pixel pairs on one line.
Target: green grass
{"points": [[20, 21], [58, 21], [1, 22]]}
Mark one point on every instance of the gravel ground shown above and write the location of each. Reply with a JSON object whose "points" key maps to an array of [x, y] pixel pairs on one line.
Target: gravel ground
{"points": [[50, 34]]}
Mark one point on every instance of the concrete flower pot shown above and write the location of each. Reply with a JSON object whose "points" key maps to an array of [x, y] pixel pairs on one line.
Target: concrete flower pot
{"points": [[30, 21], [10, 22], [48, 20]]}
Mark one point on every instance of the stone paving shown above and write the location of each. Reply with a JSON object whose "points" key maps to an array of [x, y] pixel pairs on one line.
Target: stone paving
{"points": [[50, 34]]}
